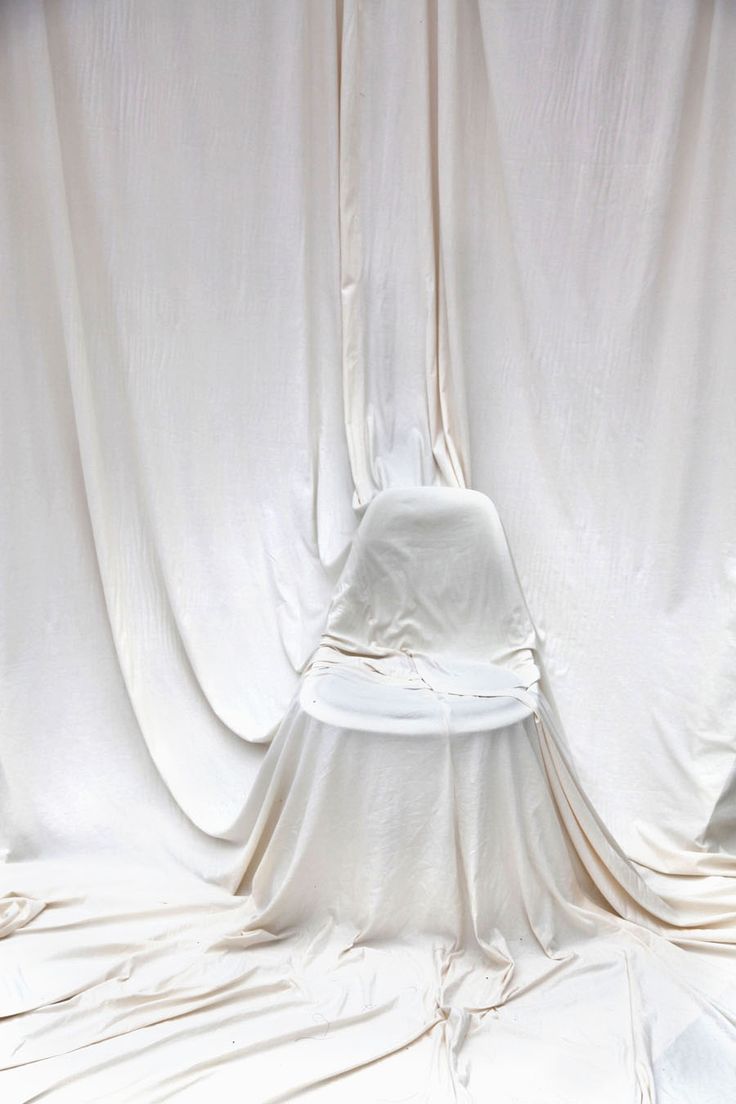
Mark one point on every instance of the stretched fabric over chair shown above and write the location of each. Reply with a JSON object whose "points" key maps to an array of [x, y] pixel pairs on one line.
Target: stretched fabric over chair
{"points": [[430, 591]]}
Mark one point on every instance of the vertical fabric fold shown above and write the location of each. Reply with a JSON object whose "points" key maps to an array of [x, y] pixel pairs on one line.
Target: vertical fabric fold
{"points": [[403, 395]]}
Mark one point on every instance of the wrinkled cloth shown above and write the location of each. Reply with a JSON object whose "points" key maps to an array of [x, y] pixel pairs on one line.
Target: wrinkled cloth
{"points": [[427, 905], [260, 260], [430, 592], [413, 923]]}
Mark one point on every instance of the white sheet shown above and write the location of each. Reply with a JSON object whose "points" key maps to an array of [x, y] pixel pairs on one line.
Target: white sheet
{"points": [[171, 265], [430, 877], [494, 242], [414, 934], [535, 205]]}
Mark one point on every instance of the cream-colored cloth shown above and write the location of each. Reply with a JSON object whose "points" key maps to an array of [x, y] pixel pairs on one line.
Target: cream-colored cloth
{"points": [[493, 241], [430, 592], [496, 242], [428, 907]]}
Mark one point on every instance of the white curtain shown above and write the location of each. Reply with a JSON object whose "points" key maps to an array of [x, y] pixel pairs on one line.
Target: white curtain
{"points": [[262, 259], [176, 487]]}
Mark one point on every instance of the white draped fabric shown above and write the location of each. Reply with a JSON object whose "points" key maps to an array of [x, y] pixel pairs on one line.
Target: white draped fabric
{"points": [[422, 872], [260, 262]]}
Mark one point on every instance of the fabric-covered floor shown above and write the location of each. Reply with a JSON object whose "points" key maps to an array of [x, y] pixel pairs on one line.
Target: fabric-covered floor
{"points": [[134, 986]]}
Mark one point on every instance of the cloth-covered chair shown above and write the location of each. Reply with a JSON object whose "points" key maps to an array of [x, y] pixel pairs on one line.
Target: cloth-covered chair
{"points": [[419, 801]]}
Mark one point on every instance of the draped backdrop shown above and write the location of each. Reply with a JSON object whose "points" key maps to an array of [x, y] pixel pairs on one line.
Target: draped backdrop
{"points": [[261, 260]]}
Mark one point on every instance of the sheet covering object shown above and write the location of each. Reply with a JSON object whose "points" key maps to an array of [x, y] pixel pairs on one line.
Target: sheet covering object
{"points": [[224, 226], [428, 908]]}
